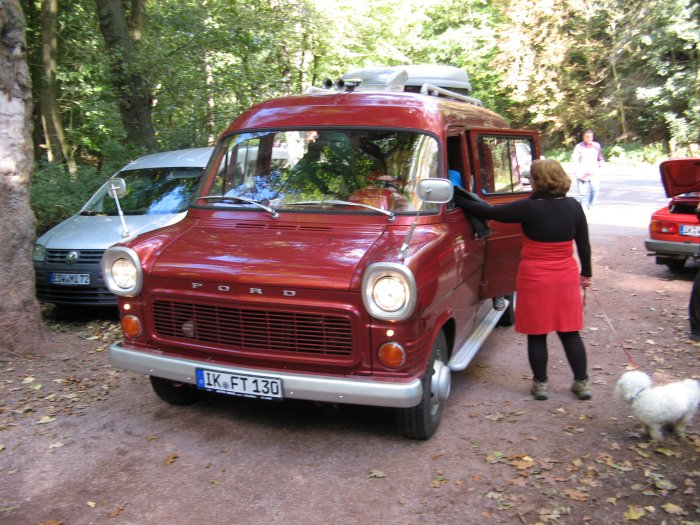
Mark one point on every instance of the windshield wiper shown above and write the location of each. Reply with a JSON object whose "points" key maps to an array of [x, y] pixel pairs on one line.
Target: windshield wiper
{"points": [[388, 213], [235, 198]]}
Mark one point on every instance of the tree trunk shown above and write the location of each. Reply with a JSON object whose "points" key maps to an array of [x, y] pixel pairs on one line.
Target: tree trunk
{"points": [[127, 78], [21, 329], [57, 149]]}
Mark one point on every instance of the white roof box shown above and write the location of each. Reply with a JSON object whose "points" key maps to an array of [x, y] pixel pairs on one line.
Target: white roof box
{"points": [[409, 78]]}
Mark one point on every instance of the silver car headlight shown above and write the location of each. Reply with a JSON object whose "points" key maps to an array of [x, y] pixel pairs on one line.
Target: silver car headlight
{"points": [[389, 291], [122, 272], [39, 254]]}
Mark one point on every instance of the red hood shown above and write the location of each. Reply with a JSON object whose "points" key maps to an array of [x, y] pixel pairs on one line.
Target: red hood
{"points": [[285, 255], [680, 176]]}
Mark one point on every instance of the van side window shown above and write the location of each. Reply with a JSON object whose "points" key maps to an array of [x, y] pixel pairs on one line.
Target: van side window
{"points": [[504, 163]]}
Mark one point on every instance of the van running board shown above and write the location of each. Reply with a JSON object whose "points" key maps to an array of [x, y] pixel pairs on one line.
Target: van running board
{"points": [[461, 359]]}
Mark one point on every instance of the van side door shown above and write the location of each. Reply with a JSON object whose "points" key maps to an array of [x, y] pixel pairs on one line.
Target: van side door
{"points": [[500, 161]]}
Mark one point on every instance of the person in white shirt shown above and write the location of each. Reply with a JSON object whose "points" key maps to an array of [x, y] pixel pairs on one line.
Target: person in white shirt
{"points": [[588, 160]]}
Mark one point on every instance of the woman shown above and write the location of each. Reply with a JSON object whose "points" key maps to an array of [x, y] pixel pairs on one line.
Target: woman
{"points": [[548, 282]]}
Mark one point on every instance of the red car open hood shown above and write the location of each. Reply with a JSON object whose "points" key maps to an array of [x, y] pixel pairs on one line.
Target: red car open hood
{"points": [[680, 176]]}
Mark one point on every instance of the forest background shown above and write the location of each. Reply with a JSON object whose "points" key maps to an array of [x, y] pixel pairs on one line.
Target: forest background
{"points": [[113, 79]]}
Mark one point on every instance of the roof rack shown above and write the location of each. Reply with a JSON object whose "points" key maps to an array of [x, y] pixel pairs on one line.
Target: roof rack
{"points": [[434, 80]]}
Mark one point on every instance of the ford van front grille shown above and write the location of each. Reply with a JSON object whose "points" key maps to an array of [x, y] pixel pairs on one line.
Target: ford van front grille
{"points": [[248, 329]]}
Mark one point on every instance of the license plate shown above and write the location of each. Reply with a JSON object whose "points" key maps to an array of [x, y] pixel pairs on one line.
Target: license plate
{"points": [[240, 384], [70, 279], [690, 231]]}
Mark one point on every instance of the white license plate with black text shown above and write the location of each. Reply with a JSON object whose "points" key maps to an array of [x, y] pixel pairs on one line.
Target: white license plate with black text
{"points": [[70, 279], [690, 231], [240, 384]]}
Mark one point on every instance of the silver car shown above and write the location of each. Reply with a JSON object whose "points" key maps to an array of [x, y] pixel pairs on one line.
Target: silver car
{"points": [[156, 192]]}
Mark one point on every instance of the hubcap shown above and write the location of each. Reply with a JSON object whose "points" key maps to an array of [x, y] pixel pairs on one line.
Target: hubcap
{"points": [[441, 382]]}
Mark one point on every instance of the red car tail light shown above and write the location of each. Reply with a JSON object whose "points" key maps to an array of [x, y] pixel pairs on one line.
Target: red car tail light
{"points": [[665, 227]]}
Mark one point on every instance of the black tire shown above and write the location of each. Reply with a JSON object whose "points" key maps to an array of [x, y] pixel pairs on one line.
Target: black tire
{"points": [[421, 421], [675, 265], [174, 393], [508, 317]]}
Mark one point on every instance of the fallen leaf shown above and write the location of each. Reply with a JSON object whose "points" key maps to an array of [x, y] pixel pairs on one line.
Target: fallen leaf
{"points": [[46, 419], [664, 484], [376, 473], [27, 380], [438, 482], [634, 513], [494, 457], [576, 495], [116, 512], [58, 444], [672, 508], [172, 458], [91, 504], [2, 447], [494, 416], [667, 451]]}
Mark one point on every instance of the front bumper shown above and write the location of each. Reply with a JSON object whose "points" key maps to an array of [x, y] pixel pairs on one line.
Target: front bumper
{"points": [[689, 249], [329, 389]]}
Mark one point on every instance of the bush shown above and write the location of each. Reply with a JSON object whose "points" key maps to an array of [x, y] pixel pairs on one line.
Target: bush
{"points": [[56, 195], [629, 154], [634, 153]]}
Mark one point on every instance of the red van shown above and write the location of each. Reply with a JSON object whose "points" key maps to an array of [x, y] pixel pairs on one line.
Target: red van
{"points": [[323, 258]]}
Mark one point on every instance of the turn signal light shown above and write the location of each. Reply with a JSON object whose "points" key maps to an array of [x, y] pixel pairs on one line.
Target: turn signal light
{"points": [[131, 326], [392, 355]]}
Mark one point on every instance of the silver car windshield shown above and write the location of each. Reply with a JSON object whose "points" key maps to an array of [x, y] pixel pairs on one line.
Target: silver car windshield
{"points": [[351, 170], [149, 191]]}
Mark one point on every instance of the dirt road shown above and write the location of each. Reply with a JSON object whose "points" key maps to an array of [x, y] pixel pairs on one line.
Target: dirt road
{"points": [[82, 443]]}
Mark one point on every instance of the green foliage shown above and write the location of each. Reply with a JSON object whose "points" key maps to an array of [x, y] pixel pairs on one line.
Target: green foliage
{"points": [[628, 70], [636, 153], [57, 195], [628, 154]]}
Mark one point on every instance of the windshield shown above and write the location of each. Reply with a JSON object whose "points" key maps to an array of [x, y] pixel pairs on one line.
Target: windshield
{"points": [[149, 191], [353, 170]]}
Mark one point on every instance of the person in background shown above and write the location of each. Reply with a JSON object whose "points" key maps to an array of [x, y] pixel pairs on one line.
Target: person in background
{"points": [[549, 282], [588, 160]]}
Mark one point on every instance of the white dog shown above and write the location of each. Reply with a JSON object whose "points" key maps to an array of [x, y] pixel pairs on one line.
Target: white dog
{"points": [[672, 405]]}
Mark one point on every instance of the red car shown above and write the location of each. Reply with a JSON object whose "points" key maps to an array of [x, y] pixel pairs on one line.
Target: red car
{"points": [[674, 231]]}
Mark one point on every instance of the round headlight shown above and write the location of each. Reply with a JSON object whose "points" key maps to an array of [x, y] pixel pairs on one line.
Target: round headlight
{"points": [[124, 273], [390, 293]]}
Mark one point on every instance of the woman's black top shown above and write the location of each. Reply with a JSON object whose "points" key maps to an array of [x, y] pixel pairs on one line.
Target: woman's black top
{"points": [[544, 218]]}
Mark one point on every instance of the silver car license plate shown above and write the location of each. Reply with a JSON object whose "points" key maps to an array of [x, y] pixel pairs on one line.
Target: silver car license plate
{"points": [[690, 231]]}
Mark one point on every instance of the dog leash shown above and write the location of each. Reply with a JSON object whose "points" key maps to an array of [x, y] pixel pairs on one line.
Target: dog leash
{"points": [[612, 328]]}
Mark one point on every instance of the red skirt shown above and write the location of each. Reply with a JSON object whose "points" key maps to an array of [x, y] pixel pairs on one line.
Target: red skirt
{"points": [[548, 289]]}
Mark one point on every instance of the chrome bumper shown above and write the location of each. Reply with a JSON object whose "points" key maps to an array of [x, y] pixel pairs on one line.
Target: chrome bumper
{"points": [[672, 248], [329, 389]]}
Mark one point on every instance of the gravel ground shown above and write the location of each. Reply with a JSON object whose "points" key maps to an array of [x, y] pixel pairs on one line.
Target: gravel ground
{"points": [[82, 443]]}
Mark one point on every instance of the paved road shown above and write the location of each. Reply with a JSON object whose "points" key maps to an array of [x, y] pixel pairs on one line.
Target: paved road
{"points": [[628, 196]]}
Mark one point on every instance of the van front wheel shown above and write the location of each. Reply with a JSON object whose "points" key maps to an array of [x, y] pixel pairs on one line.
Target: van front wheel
{"points": [[421, 421]]}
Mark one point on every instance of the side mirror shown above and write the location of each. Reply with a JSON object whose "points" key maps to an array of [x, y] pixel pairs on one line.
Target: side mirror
{"points": [[116, 188], [435, 191]]}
